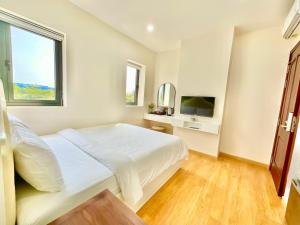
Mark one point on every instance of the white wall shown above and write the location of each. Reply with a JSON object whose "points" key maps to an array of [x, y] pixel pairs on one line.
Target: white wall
{"points": [[199, 67], [96, 63], [166, 69], [204, 68], [255, 86], [203, 71]]}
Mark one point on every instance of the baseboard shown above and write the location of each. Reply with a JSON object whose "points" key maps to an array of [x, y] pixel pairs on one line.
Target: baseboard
{"points": [[266, 166], [203, 154]]}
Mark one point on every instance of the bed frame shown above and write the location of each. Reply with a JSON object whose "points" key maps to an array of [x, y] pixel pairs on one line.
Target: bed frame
{"points": [[7, 172], [150, 189]]}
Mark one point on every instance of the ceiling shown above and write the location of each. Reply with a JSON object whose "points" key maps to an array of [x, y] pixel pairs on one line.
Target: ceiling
{"points": [[175, 20]]}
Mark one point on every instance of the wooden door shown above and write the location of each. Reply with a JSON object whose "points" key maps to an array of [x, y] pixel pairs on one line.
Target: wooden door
{"points": [[287, 123]]}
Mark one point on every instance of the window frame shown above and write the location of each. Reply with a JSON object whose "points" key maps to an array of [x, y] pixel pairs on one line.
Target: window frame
{"points": [[58, 80], [137, 83], [59, 39]]}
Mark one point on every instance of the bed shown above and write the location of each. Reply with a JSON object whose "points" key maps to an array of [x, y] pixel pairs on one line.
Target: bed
{"points": [[156, 155], [90, 160], [94, 177]]}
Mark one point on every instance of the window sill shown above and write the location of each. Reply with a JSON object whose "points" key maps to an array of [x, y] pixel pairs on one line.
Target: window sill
{"points": [[35, 107]]}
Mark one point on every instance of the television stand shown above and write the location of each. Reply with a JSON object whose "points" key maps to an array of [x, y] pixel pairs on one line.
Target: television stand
{"points": [[207, 125]]}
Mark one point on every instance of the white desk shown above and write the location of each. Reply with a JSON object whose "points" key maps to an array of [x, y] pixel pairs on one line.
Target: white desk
{"points": [[207, 126]]}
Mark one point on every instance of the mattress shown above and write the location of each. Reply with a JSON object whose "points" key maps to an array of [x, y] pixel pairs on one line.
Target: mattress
{"points": [[152, 152], [135, 155], [84, 178]]}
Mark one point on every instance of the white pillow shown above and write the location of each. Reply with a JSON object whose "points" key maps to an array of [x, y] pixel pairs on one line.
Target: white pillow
{"points": [[15, 120], [34, 160]]}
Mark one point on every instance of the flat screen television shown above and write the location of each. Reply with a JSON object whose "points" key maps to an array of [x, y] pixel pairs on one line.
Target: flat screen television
{"points": [[197, 105]]}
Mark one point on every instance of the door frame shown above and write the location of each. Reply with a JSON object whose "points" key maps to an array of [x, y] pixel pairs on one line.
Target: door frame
{"points": [[293, 135]]}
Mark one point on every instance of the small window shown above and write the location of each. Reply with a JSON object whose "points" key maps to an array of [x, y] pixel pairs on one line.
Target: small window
{"points": [[30, 67], [132, 84]]}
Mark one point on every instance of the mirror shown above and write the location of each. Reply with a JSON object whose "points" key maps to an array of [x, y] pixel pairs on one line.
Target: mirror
{"points": [[166, 95]]}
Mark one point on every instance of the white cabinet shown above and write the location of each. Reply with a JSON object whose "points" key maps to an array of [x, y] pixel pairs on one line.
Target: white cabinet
{"points": [[208, 126]]}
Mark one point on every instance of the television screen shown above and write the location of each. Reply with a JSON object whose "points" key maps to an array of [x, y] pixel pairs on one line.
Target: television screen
{"points": [[201, 106]]}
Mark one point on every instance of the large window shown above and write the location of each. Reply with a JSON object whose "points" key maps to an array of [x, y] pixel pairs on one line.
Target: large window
{"points": [[30, 66], [132, 84]]}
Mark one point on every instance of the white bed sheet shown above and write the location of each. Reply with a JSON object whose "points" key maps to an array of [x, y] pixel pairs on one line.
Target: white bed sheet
{"points": [[136, 155], [152, 152], [84, 177]]}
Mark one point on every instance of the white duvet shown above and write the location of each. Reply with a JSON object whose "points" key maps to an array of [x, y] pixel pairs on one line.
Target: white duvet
{"points": [[135, 155]]}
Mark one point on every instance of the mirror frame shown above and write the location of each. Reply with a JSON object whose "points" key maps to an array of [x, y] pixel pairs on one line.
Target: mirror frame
{"points": [[174, 95]]}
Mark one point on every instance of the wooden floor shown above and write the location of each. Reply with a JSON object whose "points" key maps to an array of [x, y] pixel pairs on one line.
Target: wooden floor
{"points": [[207, 191]]}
